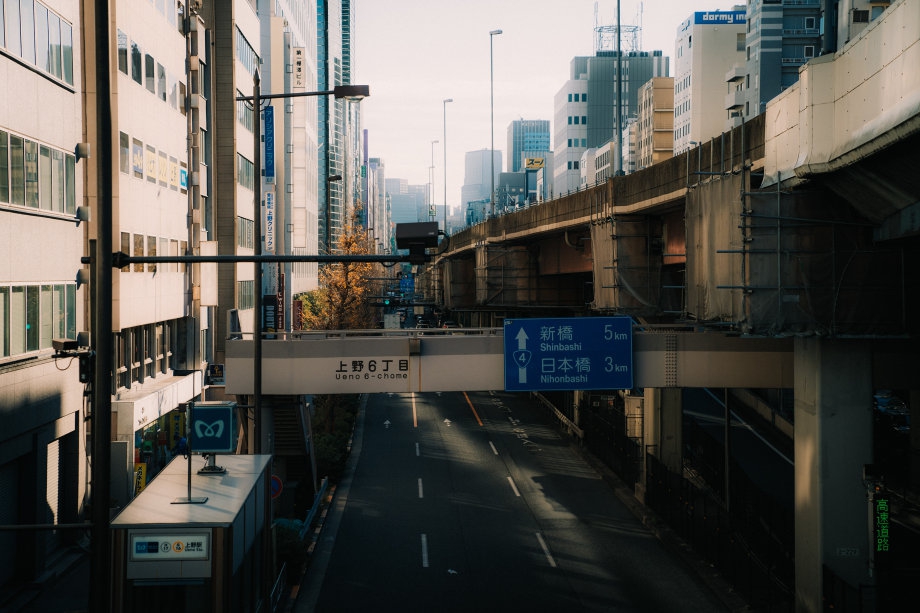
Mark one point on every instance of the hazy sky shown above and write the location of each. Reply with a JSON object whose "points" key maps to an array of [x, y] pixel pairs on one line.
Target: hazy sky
{"points": [[415, 53]]}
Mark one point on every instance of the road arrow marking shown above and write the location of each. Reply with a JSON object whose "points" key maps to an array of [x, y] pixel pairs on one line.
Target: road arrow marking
{"points": [[447, 421], [387, 424]]}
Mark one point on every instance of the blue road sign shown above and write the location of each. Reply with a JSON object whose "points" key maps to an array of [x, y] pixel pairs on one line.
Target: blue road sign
{"points": [[212, 427], [572, 353]]}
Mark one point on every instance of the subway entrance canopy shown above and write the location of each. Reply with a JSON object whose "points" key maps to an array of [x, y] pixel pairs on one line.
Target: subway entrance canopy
{"points": [[474, 359]]}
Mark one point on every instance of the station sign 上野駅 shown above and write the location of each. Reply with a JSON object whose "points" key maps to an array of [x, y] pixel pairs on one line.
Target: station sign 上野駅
{"points": [[573, 353]]}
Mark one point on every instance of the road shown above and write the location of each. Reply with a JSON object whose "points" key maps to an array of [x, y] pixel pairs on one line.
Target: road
{"points": [[475, 502]]}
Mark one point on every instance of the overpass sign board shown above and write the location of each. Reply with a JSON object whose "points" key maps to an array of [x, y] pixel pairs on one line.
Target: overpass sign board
{"points": [[571, 353]]}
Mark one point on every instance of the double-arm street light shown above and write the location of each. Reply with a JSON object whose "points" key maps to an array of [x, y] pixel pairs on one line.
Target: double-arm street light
{"points": [[492, 35], [351, 92], [444, 147]]}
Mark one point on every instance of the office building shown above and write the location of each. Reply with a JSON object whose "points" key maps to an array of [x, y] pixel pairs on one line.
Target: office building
{"points": [[707, 46], [585, 107], [527, 138], [477, 184], [43, 472], [655, 122]]}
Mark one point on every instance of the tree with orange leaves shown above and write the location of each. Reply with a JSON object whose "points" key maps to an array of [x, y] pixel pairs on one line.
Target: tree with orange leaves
{"points": [[342, 300]]}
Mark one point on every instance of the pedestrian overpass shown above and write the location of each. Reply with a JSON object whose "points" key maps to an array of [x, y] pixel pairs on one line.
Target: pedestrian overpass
{"points": [[432, 360]]}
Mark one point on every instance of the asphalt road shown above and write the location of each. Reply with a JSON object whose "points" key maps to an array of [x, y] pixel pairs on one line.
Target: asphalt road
{"points": [[477, 503]]}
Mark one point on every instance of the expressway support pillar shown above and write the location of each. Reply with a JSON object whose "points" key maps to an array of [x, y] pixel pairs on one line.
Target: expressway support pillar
{"points": [[833, 443], [662, 430]]}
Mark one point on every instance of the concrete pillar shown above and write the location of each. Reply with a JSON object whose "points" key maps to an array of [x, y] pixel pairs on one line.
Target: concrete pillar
{"points": [[833, 442], [663, 426]]}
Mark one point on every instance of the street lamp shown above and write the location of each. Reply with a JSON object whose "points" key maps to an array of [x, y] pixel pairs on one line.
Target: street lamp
{"points": [[446, 100], [351, 92], [492, 34], [431, 209]]}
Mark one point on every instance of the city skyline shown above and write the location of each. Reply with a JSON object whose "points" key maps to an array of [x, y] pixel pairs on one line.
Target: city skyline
{"points": [[414, 54]]}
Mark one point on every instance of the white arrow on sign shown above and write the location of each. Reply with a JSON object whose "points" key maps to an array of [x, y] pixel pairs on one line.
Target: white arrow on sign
{"points": [[387, 424], [447, 421], [522, 355]]}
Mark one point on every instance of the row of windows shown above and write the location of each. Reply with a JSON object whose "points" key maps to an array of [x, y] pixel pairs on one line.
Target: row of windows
{"points": [[140, 245], [575, 120], [573, 165], [39, 36], [246, 171], [139, 160], [246, 298], [36, 175], [576, 98], [145, 70], [143, 352], [244, 112], [577, 142], [245, 54], [32, 315], [245, 232]]}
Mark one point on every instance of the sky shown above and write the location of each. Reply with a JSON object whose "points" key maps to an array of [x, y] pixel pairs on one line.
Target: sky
{"points": [[414, 54]]}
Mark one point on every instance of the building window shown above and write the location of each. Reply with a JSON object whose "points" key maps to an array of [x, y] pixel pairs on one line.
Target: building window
{"points": [[31, 315], [136, 66], [4, 166], [809, 51], [124, 153], [860, 16], [246, 172], [244, 233], [245, 295], [152, 252], [150, 74], [122, 52], [161, 82]]}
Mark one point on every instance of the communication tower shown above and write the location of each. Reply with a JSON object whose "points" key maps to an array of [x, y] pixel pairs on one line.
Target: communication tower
{"points": [[605, 36]]}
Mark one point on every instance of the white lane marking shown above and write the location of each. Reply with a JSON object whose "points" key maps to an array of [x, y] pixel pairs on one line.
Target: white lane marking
{"points": [[494, 450], [514, 487], [417, 453], [549, 556], [420, 493], [424, 551], [414, 412]]}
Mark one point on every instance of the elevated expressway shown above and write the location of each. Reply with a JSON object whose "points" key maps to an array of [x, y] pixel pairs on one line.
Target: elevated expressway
{"points": [[802, 224], [780, 254]]}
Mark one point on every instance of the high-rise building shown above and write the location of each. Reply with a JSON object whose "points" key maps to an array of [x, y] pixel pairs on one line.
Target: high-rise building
{"points": [[585, 107], [340, 146], [288, 66], [477, 184], [708, 45], [527, 138], [778, 39]]}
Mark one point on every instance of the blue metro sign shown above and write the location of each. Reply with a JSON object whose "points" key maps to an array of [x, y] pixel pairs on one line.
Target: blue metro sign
{"points": [[211, 428], [571, 353]]}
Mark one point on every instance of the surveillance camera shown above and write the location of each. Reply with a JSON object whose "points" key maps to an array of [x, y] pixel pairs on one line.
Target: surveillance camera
{"points": [[417, 235], [64, 344]]}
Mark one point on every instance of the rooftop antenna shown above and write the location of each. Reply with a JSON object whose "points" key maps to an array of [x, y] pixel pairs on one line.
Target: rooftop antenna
{"points": [[606, 36]]}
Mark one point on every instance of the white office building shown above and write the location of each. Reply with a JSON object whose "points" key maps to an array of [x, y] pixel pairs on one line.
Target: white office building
{"points": [[708, 45]]}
